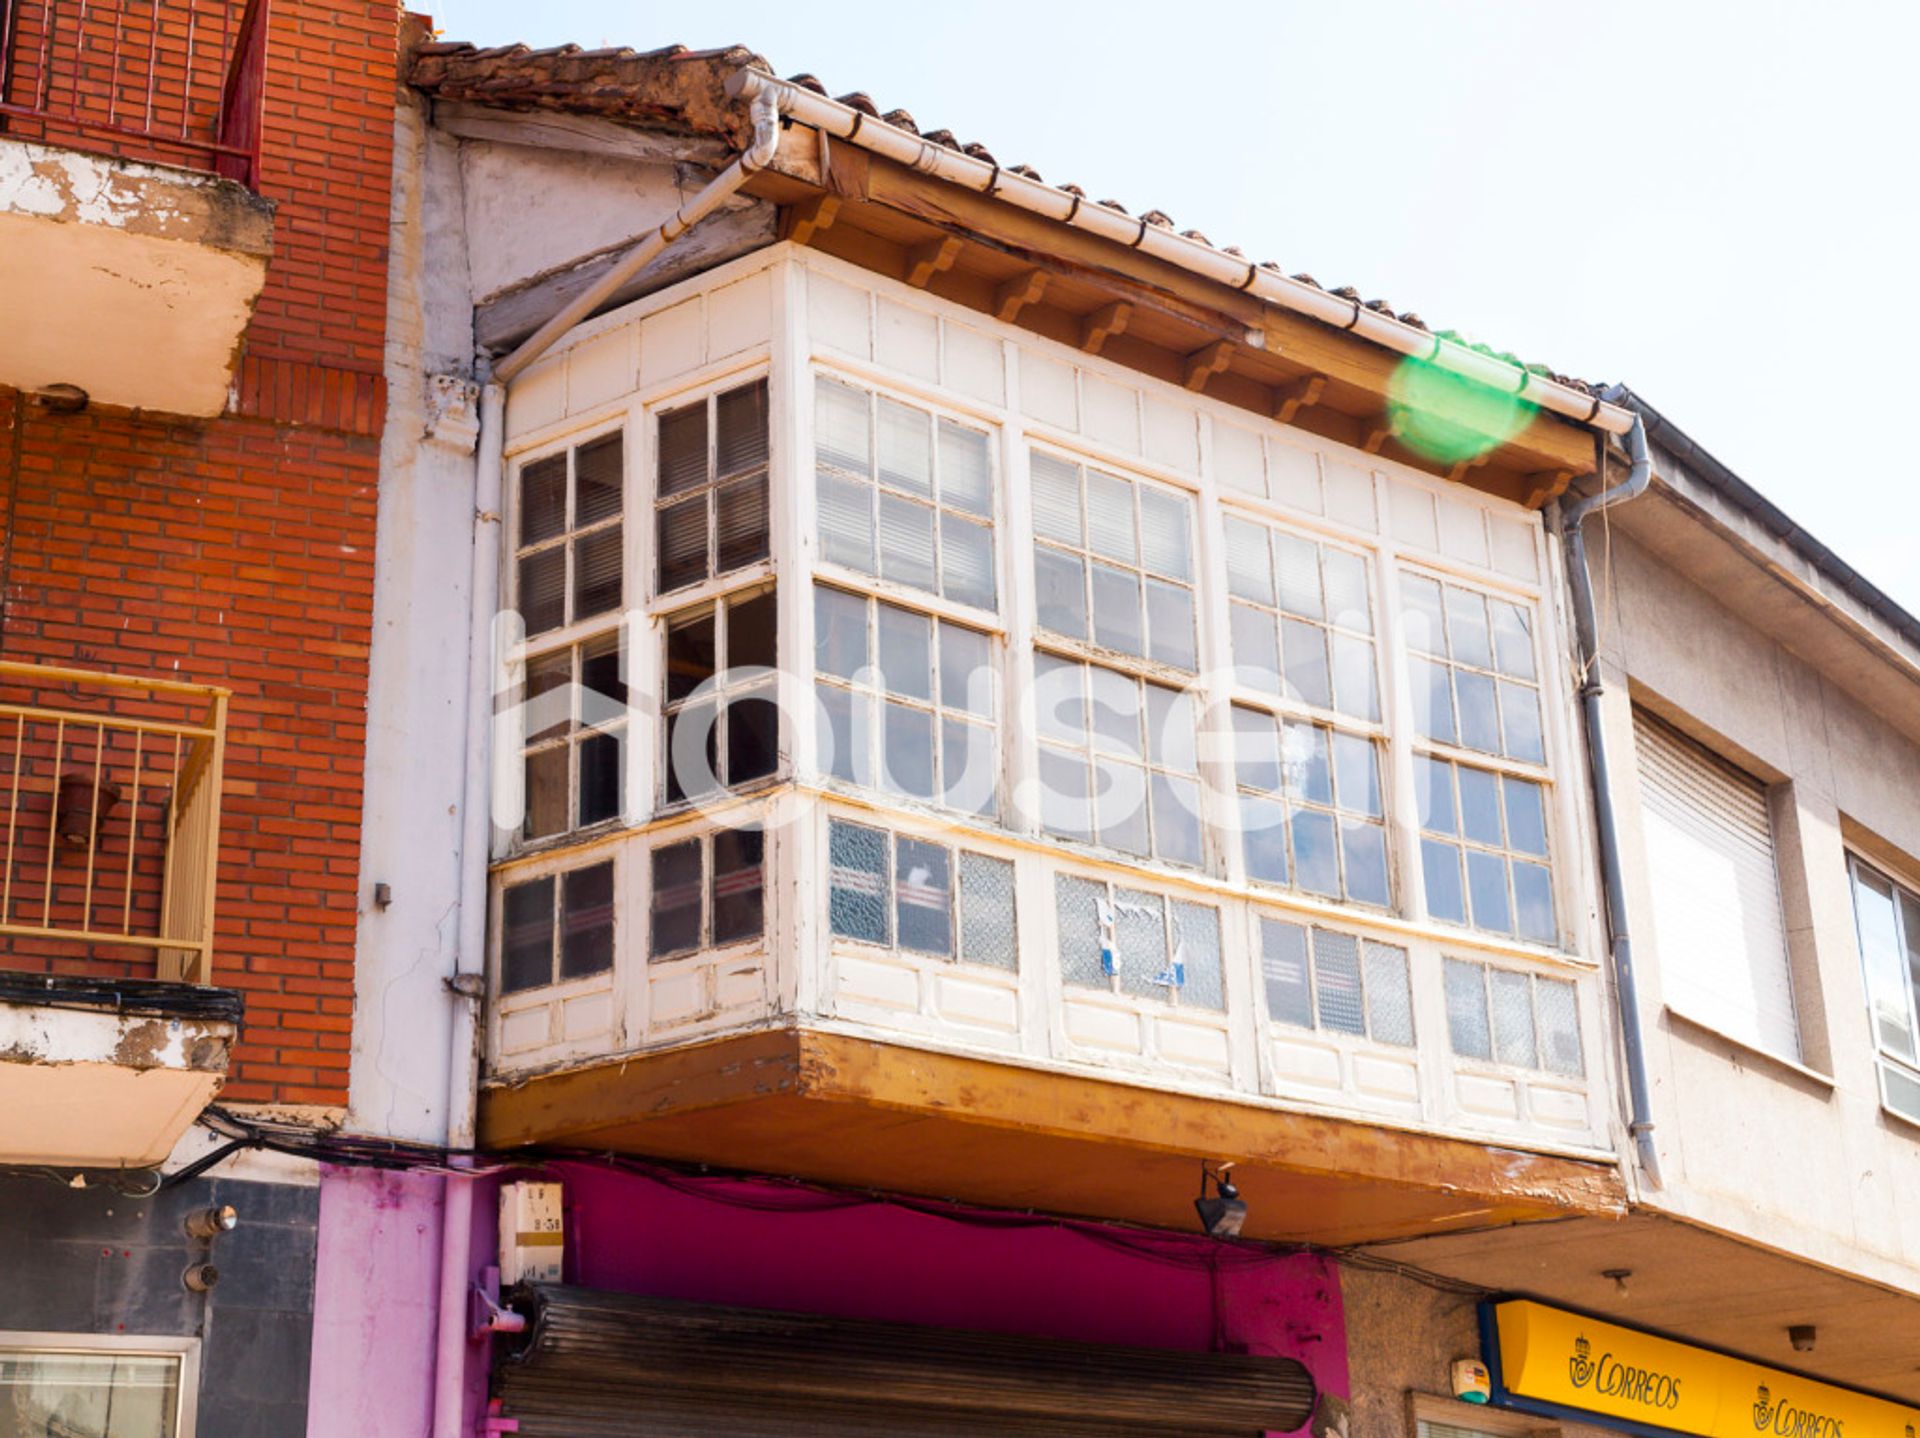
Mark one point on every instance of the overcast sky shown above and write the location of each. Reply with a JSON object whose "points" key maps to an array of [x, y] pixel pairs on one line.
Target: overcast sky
{"points": [[1715, 202]]}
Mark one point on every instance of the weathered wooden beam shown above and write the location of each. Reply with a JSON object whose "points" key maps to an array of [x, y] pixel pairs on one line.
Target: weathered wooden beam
{"points": [[1103, 324], [926, 261], [811, 218], [1206, 362], [1546, 484], [1460, 467], [1017, 293], [1379, 431], [1303, 393], [582, 134]]}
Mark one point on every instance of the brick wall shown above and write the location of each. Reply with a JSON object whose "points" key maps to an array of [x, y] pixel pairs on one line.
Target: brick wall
{"points": [[239, 551]]}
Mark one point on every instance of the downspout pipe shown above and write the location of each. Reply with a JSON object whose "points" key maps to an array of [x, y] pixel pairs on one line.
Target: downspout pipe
{"points": [[453, 1339], [1587, 638]]}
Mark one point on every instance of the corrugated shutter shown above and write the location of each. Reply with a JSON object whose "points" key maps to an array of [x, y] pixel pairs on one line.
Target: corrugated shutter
{"points": [[615, 1365], [1449, 1430], [1716, 890]]}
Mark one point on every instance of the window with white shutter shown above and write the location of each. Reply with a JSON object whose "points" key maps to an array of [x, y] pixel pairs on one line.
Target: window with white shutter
{"points": [[1716, 890]]}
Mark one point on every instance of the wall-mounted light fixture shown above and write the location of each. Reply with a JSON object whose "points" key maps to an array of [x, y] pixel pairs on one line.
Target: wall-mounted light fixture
{"points": [[1221, 1215], [211, 1222]]}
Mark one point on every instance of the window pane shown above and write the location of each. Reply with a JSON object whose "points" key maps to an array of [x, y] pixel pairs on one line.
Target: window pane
{"points": [[1432, 699], [526, 936], [906, 653], [752, 633], [692, 756], [1114, 708], [1315, 856], [969, 777], [1479, 720], [966, 562], [1559, 1027], [1349, 598], [1171, 725], [1480, 805], [1263, 829], [1487, 889], [1176, 819], [586, 921], [1512, 639], [1059, 703], [1526, 816], [843, 735], [1116, 610], [906, 542], [1468, 1030], [1336, 973], [1364, 850], [738, 888], [1249, 569], [1140, 929], [601, 777], [741, 522], [846, 522], [1304, 653], [1110, 529], [1433, 794], [1056, 500], [1881, 957], [604, 690], [676, 898], [690, 655], [1520, 722], [839, 632], [543, 499], [543, 592], [966, 469], [596, 574], [753, 736], [741, 419], [1077, 904], [906, 448], [1467, 634], [546, 792], [1357, 773], [683, 449], [857, 882], [966, 672], [680, 534], [906, 740], [1120, 806], [1512, 1010], [549, 704], [596, 480], [987, 926], [1420, 615], [1256, 749], [1196, 955], [1389, 995], [1283, 968], [1165, 547], [1533, 902], [1440, 868], [1060, 592], [1296, 562], [840, 427], [1308, 772], [923, 897], [1065, 804], [1356, 684], [1256, 649], [1170, 624]]}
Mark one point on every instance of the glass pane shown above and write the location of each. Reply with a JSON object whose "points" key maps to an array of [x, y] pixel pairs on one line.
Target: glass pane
{"points": [[676, 898], [683, 449], [1420, 615], [1297, 563], [839, 632], [546, 792], [543, 499], [548, 699], [1440, 868], [1060, 592], [906, 653], [1114, 708], [597, 479], [1533, 902], [1059, 700], [846, 522], [1120, 806], [1336, 973], [1283, 969], [741, 418], [840, 427], [1116, 610], [1056, 500], [543, 593], [1196, 956], [988, 934], [1316, 856], [1171, 728], [602, 775], [680, 535], [738, 887], [1170, 624], [969, 778], [1512, 639], [692, 756], [1077, 904], [1479, 719], [1487, 890], [1263, 830], [1432, 699], [603, 698], [1526, 817], [1304, 655], [906, 447], [1468, 1030], [526, 936], [1480, 806], [1256, 649], [1467, 633], [1512, 1010], [1433, 794], [741, 522], [1356, 684], [1520, 722], [1885, 965], [753, 736], [1140, 934], [966, 562], [1309, 774], [1110, 529], [1176, 819], [906, 542], [923, 897], [857, 882], [690, 655], [1249, 569], [596, 573], [966, 469], [1065, 798], [1165, 546], [1357, 773], [1389, 995], [1554, 1002], [966, 670], [1349, 598], [843, 734], [586, 921], [906, 743], [1363, 848], [89, 1395]]}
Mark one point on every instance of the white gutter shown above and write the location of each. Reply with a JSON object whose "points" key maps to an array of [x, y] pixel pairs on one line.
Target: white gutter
{"points": [[846, 123]]}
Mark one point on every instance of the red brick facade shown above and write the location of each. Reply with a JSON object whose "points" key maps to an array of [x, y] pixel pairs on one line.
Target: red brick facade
{"points": [[239, 551]]}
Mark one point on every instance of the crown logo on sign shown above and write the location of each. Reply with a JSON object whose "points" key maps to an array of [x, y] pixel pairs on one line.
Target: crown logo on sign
{"points": [[1762, 1407], [1580, 1366]]}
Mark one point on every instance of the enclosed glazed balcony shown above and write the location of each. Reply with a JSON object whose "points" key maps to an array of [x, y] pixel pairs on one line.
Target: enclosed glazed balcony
{"points": [[136, 244], [111, 1039]]}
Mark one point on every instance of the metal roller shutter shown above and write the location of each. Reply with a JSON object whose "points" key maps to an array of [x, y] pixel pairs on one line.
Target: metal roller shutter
{"points": [[594, 1364], [1716, 890]]}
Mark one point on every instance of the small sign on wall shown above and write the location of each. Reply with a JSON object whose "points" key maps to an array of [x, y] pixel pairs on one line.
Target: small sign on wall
{"points": [[532, 1233]]}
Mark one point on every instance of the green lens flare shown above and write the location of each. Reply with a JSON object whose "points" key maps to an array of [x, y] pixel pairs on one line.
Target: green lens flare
{"points": [[1448, 417]]}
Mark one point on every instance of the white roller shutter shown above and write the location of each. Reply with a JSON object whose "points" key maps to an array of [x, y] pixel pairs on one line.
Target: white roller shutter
{"points": [[1716, 890]]}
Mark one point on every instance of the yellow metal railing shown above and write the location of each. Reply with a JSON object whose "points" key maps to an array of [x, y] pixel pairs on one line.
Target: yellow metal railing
{"points": [[110, 802]]}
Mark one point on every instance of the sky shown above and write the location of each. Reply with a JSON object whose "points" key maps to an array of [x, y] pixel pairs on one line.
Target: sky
{"points": [[1718, 203]]}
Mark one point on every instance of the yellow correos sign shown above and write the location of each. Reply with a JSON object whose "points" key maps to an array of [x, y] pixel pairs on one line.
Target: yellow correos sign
{"points": [[1551, 1356]]}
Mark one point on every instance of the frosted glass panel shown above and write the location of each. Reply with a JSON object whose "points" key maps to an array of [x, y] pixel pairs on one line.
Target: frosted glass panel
{"points": [[988, 930]]}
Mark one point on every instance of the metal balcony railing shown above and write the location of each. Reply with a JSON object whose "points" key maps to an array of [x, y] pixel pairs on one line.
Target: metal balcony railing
{"points": [[110, 817], [179, 81]]}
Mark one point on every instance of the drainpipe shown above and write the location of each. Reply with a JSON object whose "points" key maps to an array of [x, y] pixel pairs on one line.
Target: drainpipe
{"points": [[468, 980], [1586, 632]]}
